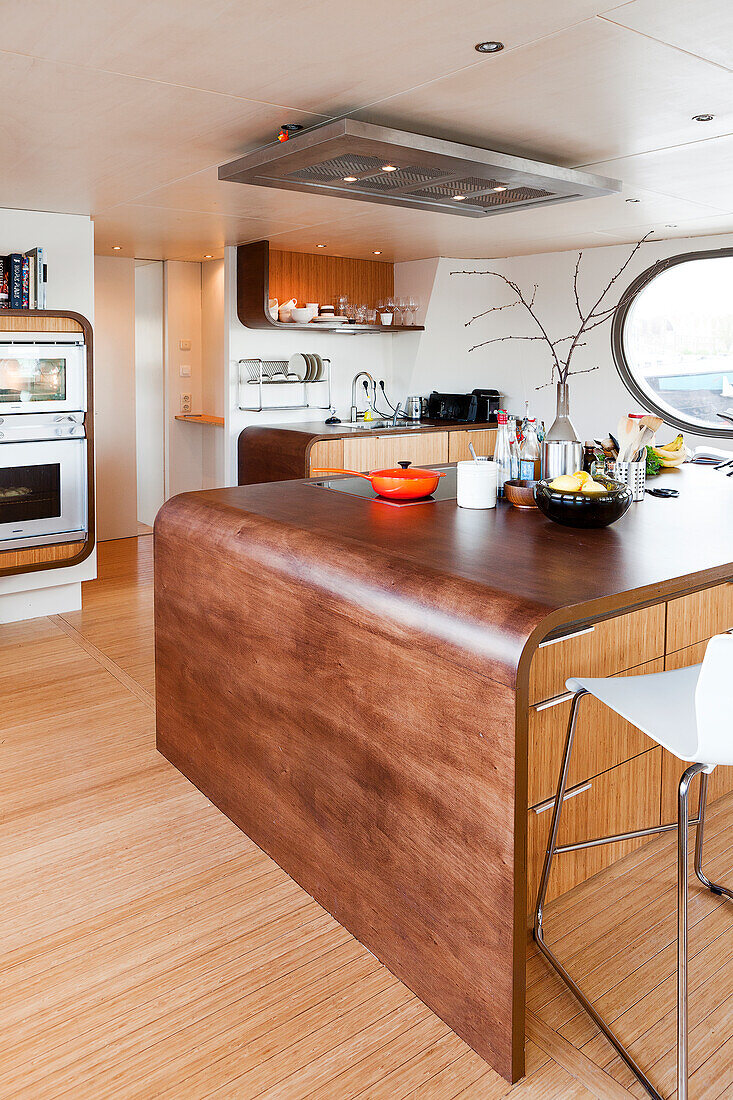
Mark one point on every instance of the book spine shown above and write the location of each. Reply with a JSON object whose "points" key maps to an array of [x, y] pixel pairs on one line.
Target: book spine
{"points": [[26, 288], [42, 277], [16, 280], [4, 283]]}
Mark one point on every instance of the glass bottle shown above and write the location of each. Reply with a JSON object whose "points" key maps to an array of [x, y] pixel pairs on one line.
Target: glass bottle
{"points": [[502, 453], [530, 457], [513, 445]]}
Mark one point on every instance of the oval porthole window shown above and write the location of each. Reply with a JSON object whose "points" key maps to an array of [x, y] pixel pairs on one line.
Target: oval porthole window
{"points": [[672, 341]]}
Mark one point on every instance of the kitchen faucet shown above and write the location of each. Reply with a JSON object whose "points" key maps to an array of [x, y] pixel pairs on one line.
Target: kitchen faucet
{"points": [[367, 379]]}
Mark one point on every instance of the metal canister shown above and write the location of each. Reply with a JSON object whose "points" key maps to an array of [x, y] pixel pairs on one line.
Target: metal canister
{"points": [[413, 407], [561, 456]]}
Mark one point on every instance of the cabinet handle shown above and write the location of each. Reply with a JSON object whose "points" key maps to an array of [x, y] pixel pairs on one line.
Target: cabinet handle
{"points": [[566, 637], [554, 702], [542, 806]]}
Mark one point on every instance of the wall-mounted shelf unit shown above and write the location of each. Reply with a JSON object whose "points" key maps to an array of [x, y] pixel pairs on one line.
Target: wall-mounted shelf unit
{"points": [[29, 559], [201, 418], [263, 274], [270, 376]]}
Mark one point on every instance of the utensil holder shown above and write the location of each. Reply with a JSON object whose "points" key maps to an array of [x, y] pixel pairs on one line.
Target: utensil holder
{"points": [[561, 457], [633, 474]]}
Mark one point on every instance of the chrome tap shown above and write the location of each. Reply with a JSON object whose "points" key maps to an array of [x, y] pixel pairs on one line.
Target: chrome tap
{"points": [[367, 379]]}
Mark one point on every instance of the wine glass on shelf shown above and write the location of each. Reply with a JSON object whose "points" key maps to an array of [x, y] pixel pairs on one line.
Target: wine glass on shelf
{"points": [[413, 305], [403, 305]]}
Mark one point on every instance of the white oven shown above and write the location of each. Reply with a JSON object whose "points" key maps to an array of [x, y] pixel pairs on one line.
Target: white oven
{"points": [[42, 372], [43, 480]]}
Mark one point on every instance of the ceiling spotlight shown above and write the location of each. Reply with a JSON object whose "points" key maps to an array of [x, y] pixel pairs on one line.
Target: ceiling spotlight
{"points": [[320, 246], [670, 226], [377, 252], [633, 200], [116, 247], [500, 188], [458, 198], [489, 47], [389, 168], [208, 256], [703, 118], [349, 179]]}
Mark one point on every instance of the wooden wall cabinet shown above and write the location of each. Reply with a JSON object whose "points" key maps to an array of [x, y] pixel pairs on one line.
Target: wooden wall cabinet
{"points": [[62, 554]]}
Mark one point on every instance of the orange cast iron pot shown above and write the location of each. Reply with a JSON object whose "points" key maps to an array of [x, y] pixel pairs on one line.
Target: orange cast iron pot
{"points": [[402, 484]]}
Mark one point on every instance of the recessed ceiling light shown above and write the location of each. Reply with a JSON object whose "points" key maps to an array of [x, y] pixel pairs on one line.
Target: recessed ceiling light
{"points": [[703, 118], [633, 200], [208, 256], [458, 198], [389, 167], [489, 47], [377, 252], [500, 188], [116, 247], [349, 179], [670, 227], [320, 246]]}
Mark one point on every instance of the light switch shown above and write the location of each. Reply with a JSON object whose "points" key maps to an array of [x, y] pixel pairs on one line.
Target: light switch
{"points": [[184, 370], [184, 345]]}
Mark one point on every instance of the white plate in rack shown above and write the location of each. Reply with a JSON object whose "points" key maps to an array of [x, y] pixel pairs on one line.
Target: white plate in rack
{"points": [[299, 366]]}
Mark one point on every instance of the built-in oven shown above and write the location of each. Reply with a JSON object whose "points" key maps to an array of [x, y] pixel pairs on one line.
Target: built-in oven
{"points": [[43, 480], [42, 374]]}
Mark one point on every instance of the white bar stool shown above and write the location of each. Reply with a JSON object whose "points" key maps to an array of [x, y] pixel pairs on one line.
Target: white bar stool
{"points": [[689, 712]]}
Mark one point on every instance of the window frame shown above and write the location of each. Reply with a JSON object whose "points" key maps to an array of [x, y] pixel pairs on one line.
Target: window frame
{"points": [[617, 341]]}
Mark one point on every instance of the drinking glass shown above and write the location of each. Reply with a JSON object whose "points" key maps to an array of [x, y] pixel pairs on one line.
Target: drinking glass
{"points": [[403, 305], [372, 316], [341, 301], [413, 305], [361, 315], [350, 311]]}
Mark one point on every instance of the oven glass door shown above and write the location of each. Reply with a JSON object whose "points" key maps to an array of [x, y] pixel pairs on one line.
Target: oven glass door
{"points": [[43, 492], [38, 378]]}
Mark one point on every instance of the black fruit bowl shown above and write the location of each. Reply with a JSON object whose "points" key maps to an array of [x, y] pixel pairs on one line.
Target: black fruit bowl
{"points": [[584, 509]]}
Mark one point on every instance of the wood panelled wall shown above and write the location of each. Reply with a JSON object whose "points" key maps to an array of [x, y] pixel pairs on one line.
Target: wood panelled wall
{"points": [[316, 278]]}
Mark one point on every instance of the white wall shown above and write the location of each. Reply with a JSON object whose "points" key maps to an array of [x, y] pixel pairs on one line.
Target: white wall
{"points": [[149, 389], [182, 291], [213, 371], [69, 243], [440, 357], [348, 354], [114, 292]]}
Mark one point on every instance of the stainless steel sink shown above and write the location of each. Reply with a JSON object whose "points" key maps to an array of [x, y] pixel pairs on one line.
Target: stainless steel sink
{"points": [[380, 425]]}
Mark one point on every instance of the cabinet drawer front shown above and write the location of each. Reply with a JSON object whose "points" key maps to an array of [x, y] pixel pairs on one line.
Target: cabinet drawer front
{"points": [[483, 441], [619, 801], [699, 616], [383, 452], [602, 740], [601, 650]]}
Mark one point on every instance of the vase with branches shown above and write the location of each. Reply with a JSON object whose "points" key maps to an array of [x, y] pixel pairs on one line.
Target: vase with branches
{"points": [[562, 349]]}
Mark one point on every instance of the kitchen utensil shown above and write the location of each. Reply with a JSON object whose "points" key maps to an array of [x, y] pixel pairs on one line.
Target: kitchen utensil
{"points": [[404, 483], [561, 456], [663, 492], [520, 493], [413, 407], [472, 450], [653, 422], [584, 509], [628, 433], [633, 474], [477, 484]]}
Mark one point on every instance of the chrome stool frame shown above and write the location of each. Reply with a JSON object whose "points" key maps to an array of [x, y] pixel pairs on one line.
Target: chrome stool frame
{"points": [[682, 826]]}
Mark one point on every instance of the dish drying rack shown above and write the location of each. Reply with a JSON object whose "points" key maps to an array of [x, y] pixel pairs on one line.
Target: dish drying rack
{"points": [[273, 372]]}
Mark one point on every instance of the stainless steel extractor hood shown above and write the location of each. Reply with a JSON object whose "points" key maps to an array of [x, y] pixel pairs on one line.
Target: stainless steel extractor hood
{"points": [[357, 160]]}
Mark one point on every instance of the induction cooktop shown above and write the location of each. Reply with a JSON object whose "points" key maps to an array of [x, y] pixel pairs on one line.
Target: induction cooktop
{"points": [[360, 487]]}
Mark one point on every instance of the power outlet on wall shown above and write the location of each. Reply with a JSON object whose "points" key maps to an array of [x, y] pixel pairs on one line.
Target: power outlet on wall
{"points": [[185, 402]]}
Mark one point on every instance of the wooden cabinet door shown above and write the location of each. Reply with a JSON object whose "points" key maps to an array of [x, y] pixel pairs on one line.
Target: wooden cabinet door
{"points": [[699, 616], [602, 740], [381, 452], [618, 801], [483, 439], [601, 650], [326, 452], [721, 780]]}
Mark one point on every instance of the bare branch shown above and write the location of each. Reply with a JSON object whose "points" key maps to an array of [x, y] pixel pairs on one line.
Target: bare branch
{"points": [[529, 306], [575, 286], [509, 305], [500, 339], [587, 370]]}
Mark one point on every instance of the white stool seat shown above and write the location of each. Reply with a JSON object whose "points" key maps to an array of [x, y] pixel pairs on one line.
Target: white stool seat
{"points": [[661, 705]]}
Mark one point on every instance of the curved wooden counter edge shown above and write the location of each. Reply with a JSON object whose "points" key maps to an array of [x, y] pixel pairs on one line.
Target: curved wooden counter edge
{"points": [[338, 598], [50, 556]]}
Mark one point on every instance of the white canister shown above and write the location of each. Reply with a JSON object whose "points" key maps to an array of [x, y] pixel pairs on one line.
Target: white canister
{"points": [[477, 483]]}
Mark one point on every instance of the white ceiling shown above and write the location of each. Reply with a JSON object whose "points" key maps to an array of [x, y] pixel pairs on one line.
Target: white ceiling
{"points": [[125, 110]]}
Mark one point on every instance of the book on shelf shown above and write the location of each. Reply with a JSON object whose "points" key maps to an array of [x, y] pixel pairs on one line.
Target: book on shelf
{"points": [[23, 279]]}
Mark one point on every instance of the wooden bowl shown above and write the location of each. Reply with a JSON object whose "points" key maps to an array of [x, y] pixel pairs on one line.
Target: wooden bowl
{"points": [[520, 493]]}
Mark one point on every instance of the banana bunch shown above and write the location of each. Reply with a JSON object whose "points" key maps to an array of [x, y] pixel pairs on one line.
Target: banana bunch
{"points": [[673, 454]]}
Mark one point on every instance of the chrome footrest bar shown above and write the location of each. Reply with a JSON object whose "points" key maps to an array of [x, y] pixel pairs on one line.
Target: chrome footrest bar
{"points": [[597, 841]]}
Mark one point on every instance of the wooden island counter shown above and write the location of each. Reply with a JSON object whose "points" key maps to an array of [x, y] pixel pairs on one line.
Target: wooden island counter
{"points": [[376, 696]]}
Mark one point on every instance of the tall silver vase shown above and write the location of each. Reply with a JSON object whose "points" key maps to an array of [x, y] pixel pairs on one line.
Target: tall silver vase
{"points": [[562, 451]]}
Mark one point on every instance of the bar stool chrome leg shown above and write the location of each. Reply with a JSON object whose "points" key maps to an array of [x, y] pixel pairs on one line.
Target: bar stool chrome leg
{"points": [[722, 891], [683, 827]]}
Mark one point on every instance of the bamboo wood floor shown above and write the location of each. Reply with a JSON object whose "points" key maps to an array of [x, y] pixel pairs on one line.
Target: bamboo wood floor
{"points": [[149, 950]]}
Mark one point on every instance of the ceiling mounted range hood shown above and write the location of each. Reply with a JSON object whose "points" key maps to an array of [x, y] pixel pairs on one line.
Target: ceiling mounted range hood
{"points": [[357, 160]]}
